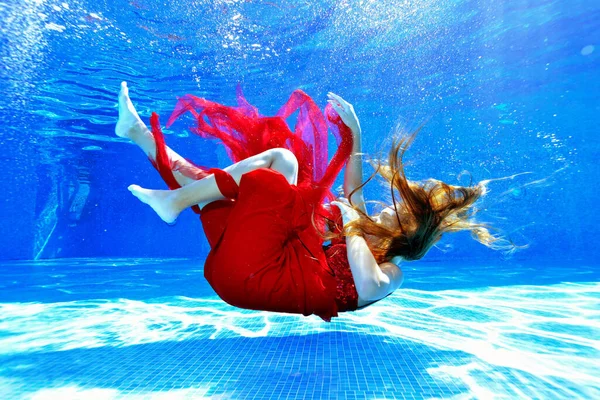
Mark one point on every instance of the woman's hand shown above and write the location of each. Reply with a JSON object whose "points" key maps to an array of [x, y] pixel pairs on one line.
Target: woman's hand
{"points": [[345, 111], [349, 214], [353, 175]]}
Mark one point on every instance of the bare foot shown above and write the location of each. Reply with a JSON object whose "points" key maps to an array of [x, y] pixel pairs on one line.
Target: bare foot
{"points": [[161, 201], [129, 124]]}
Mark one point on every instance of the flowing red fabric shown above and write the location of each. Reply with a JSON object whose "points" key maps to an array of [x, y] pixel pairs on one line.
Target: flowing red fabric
{"points": [[266, 251]]}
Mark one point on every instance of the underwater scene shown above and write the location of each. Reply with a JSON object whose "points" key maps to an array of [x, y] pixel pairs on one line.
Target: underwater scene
{"points": [[101, 299]]}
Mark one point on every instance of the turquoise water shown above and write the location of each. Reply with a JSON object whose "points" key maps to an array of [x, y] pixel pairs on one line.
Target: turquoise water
{"points": [[100, 299], [140, 328]]}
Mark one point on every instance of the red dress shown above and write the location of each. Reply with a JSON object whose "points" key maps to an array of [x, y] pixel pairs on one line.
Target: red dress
{"points": [[266, 243]]}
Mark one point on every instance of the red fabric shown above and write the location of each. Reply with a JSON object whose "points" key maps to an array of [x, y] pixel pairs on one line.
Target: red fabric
{"points": [[265, 251], [346, 296], [165, 166], [162, 162]]}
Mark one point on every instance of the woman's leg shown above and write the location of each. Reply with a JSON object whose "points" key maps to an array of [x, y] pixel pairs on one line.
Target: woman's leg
{"points": [[130, 126], [168, 204]]}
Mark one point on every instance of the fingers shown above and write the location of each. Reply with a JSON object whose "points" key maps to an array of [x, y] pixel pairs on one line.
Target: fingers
{"points": [[345, 110], [341, 205], [340, 105], [335, 100], [348, 213], [340, 100], [334, 96], [343, 200], [336, 106]]}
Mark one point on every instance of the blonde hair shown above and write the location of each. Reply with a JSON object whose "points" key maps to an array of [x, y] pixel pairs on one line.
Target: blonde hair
{"points": [[428, 210]]}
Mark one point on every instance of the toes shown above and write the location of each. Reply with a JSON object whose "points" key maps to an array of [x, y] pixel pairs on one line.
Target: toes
{"points": [[124, 89]]}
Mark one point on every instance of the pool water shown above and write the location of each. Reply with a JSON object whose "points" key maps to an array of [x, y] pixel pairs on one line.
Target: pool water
{"points": [[101, 300], [153, 328]]}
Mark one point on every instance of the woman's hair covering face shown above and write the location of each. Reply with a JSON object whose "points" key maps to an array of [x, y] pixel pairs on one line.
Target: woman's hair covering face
{"points": [[425, 211]]}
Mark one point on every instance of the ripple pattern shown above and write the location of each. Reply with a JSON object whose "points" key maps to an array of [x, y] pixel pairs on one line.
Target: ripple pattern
{"points": [[512, 341]]}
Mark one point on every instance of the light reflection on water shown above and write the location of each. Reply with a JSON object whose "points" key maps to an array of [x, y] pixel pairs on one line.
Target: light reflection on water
{"points": [[509, 334]]}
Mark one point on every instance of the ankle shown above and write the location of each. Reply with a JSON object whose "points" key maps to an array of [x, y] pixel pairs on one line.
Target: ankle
{"points": [[139, 132], [175, 201]]}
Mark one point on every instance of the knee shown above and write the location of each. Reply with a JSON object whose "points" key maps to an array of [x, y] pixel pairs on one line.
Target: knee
{"points": [[283, 156], [284, 161]]}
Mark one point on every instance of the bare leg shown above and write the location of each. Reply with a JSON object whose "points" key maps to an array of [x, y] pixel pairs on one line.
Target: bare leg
{"points": [[130, 126], [168, 204]]}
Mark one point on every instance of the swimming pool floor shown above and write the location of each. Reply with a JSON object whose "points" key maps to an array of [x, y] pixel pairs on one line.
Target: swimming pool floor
{"points": [[154, 329]]}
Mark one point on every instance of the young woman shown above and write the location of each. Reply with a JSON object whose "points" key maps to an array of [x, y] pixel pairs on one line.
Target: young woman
{"points": [[267, 216]]}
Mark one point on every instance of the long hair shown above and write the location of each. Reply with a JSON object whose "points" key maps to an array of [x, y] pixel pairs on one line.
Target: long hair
{"points": [[427, 210]]}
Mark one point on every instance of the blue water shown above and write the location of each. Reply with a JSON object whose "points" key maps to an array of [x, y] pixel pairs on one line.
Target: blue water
{"points": [[99, 299], [139, 328]]}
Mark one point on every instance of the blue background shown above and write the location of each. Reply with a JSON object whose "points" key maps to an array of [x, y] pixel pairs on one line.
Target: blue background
{"points": [[503, 89], [100, 299]]}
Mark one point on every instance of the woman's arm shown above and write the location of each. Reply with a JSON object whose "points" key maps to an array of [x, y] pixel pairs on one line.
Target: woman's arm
{"points": [[353, 176], [372, 281]]}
